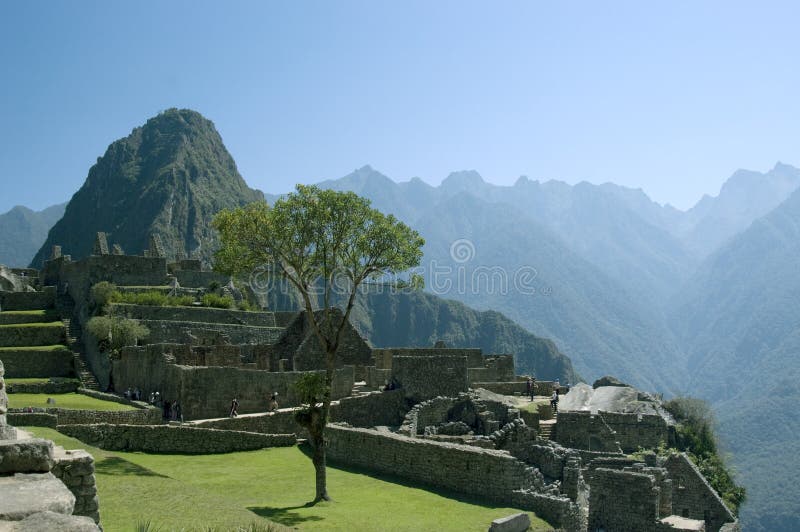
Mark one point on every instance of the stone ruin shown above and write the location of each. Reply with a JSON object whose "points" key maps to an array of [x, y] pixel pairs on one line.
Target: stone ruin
{"points": [[440, 416]]}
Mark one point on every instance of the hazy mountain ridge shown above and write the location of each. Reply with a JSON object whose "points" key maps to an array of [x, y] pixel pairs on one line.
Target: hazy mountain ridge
{"points": [[22, 232]]}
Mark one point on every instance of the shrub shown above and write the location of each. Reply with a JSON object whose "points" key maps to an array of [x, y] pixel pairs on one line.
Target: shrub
{"points": [[213, 300], [101, 294], [113, 332], [152, 298]]}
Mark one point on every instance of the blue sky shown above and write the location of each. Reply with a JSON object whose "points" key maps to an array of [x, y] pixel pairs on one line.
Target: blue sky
{"points": [[671, 96]]}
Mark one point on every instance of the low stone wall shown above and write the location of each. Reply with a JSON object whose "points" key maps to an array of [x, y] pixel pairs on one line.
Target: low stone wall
{"points": [[194, 314], [30, 334], [76, 470], [485, 473], [32, 419], [114, 398], [503, 388], [549, 459], [32, 362], [66, 416], [48, 387], [173, 439], [375, 409], [559, 511], [28, 300]]}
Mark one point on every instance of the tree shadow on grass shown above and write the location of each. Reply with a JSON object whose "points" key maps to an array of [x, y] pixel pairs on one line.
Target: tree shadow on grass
{"points": [[305, 448], [285, 516], [114, 465]]}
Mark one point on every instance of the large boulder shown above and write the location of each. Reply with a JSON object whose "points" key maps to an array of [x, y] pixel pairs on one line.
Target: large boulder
{"points": [[608, 380], [512, 523]]}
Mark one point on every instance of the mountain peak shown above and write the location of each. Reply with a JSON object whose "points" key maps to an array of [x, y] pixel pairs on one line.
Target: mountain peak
{"points": [[463, 180], [169, 176]]}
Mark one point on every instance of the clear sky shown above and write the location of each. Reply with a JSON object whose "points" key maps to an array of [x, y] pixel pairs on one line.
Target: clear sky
{"points": [[668, 96]]}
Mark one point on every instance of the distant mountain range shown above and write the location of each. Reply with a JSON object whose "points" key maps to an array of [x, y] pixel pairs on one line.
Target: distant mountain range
{"points": [[703, 301], [22, 232]]}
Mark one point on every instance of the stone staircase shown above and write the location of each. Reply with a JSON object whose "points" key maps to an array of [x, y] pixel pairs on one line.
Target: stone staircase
{"points": [[75, 344], [547, 429]]}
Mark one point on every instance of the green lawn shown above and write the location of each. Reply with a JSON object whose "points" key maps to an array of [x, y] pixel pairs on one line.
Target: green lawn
{"points": [[26, 312], [177, 492], [73, 401], [34, 324], [32, 380], [54, 347]]}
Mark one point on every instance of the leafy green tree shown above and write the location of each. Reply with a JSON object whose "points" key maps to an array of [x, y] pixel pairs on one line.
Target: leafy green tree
{"points": [[325, 244]]}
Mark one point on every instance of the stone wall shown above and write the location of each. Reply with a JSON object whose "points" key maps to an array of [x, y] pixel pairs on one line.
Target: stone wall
{"points": [[637, 430], [173, 439], [30, 334], [48, 386], [33, 419], [621, 500], [693, 496], [583, 430], [200, 279], [28, 300], [194, 314], [33, 362], [503, 388], [489, 474], [76, 470], [124, 270], [162, 331], [383, 357], [206, 392], [557, 510], [66, 416], [424, 377]]}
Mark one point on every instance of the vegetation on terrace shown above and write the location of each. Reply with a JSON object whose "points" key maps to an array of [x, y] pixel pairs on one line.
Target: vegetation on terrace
{"points": [[226, 491], [696, 436]]}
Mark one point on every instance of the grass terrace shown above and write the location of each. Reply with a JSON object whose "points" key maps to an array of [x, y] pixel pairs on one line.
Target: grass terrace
{"points": [[72, 401], [180, 492]]}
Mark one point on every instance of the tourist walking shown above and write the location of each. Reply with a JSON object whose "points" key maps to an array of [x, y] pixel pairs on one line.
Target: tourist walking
{"points": [[554, 401], [272, 406], [234, 408]]}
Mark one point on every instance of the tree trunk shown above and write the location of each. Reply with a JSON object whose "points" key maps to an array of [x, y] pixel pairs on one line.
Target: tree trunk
{"points": [[320, 471]]}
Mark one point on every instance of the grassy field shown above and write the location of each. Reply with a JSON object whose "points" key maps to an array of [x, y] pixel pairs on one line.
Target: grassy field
{"points": [[32, 380], [73, 401], [35, 324], [54, 347], [177, 492]]}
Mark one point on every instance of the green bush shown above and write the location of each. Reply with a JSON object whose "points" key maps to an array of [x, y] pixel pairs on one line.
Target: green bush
{"points": [[152, 298], [695, 435], [101, 294], [113, 332], [213, 300]]}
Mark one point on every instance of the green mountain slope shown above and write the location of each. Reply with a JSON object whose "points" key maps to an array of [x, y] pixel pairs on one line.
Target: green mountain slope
{"points": [[22, 232], [740, 318], [169, 177]]}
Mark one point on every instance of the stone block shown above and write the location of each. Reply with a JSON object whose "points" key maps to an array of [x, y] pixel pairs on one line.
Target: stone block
{"points": [[26, 456], [511, 523], [50, 521], [23, 495]]}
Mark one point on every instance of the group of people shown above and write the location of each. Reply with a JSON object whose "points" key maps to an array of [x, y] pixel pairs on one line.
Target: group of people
{"points": [[272, 405], [133, 395], [172, 411], [530, 386]]}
